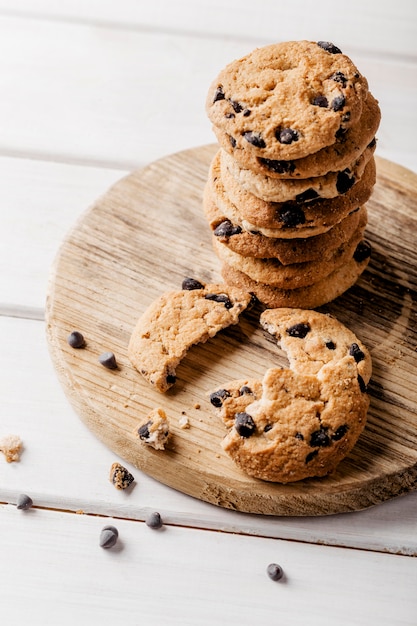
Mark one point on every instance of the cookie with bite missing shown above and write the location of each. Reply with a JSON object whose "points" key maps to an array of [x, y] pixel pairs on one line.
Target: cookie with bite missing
{"points": [[176, 321], [287, 100], [305, 419]]}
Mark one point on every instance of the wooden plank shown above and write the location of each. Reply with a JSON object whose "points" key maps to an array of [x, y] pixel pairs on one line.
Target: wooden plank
{"points": [[111, 253], [123, 98], [186, 576], [364, 26], [64, 466]]}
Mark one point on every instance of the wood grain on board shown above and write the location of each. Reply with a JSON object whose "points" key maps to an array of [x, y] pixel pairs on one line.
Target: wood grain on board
{"points": [[142, 237]]}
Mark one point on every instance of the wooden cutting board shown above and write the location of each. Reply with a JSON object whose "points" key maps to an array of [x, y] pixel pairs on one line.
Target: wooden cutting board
{"points": [[142, 237]]}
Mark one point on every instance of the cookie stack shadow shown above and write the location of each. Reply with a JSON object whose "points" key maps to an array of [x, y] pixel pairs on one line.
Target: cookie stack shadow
{"points": [[286, 192]]}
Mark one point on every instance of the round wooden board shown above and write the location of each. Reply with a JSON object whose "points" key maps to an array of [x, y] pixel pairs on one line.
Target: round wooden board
{"points": [[142, 237]]}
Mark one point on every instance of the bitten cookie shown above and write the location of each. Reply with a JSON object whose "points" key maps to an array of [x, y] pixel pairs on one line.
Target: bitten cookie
{"points": [[307, 417], [287, 100], [178, 320]]}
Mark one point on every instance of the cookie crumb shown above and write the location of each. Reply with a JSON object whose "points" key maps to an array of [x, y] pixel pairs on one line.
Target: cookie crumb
{"points": [[155, 431], [120, 476], [184, 422], [197, 405], [11, 446]]}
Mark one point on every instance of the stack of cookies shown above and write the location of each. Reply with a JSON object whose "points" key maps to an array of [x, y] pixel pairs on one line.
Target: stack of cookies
{"points": [[286, 191]]}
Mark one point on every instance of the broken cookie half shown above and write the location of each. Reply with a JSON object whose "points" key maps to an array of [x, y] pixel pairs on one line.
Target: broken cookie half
{"points": [[178, 320]]}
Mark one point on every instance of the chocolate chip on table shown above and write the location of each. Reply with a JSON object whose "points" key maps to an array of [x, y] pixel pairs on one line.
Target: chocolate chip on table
{"points": [[218, 94], [320, 438], [338, 103], [227, 229], [108, 537], [24, 502], [76, 339], [356, 352], [191, 283], [120, 476], [220, 297], [275, 571], [279, 167], [255, 139], [108, 360], [340, 432], [291, 216], [244, 425], [298, 330], [217, 397], [344, 181], [329, 47], [286, 135], [362, 252], [320, 101], [154, 520]]}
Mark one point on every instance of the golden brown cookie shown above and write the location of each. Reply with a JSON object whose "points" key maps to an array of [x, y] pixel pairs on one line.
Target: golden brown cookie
{"points": [[310, 297], [308, 417], [178, 320], [346, 149], [287, 100]]}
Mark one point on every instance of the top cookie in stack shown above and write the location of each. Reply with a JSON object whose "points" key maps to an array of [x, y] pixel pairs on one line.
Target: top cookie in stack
{"points": [[285, 197]]}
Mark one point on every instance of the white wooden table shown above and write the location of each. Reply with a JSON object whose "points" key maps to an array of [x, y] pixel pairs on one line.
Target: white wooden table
{"points": [[89, 91]]}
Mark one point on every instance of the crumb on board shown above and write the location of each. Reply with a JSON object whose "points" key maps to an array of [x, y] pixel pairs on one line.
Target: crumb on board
{"points": [[11, 446], [155, 431], [197, 405], [184, 422]]}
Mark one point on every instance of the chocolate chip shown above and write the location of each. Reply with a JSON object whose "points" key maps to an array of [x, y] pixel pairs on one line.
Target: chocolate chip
{"points": [[362, 385], [310, 456], [232, 141], [108, 360], [190, 284], [346, 116], [143, 431], [237, 107], [246, 113], [171, 379], [340, 134], [76, 339], [330, 345], [362, 252], [274, 571], [356, 352], [320, 438], [286, 135], [298, 330], [279, 167], [292, 216], [338, 103], [227, 229], [320, 101], [340, 432], [229, 116], [345, 181], [217, 397], [120, 476], [245, 390], [218, 94], [299, 436], [372, 144], [24, 502], [244, 425], [219, 297], [339, 77], [329, 47], [255, 139], [305, 196], [267, 428], [154, 520], [108, 537]]}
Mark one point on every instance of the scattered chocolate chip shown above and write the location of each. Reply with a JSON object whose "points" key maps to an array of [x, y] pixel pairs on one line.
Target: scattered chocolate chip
{"points": [[217, 397], [107, 359], [310, 456], [191, 283], [245, 390], [220, 297], [298, 330], [345, 181], [339, 77], [320, 101], [340, 432], [279, 167], [244, 425], [356, 352], [330, 345], [255, 139], [108, 537], [267, 428], [143, 431], [362, 252], [286, 135], [329, 47], [120, 476], [227, 229], [153, 520], [362, 385], [232, 141], [237, 107], [218, 94], [274, 571], [24, 502], [299, 436], [338, 103], [320, 438], [307, 195], [76, 339], [291, 216]]}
